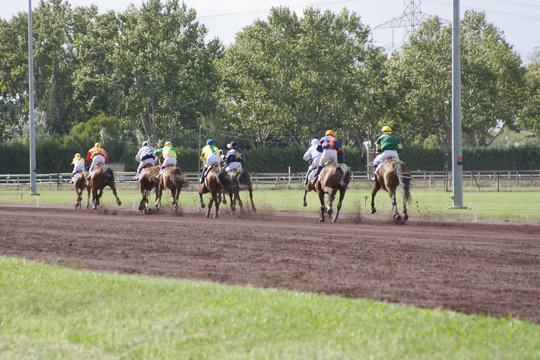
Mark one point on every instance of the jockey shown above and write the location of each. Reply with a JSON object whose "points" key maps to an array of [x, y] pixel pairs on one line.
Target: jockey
{"points": [[387, 146], [146, 157], [313, 155], [78, 166], [98, 156], [234, 157], [331, 150], [210, 156], [170, 153]]}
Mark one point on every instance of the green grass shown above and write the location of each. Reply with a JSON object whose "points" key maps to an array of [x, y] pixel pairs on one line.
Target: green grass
{"points": [[50, 312], [521, 205]]}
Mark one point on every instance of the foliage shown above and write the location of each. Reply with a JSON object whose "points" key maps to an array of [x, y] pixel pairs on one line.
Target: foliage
{"points": [[294, 78], [419, 78]]}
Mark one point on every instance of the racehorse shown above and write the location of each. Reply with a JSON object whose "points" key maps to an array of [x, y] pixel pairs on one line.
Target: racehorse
{"points": [[172, 179], [100, 177], [148, 181], [333, 177], [79, 184], [391, 174], [241, 180], [215, 183], [310, 186]]}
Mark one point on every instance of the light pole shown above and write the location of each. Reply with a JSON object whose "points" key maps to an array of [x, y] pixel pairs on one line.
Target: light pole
{"points": [[457, 157], [31, 111]]}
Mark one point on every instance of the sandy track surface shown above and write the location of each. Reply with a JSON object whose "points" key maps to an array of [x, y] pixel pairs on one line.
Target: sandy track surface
{"points": [[489, 267]]}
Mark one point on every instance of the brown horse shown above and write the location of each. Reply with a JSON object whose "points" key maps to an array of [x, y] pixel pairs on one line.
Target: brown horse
{"points": [[241, 180], [148, 182], [391, 174], [333, 177], [215, 183], [79, 184], [100, 177], [173, 180], [310, 186]]}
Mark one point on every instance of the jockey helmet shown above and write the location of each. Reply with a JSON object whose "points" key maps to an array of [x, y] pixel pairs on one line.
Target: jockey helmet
{"points": [[97, 145], [314, 142], [233, 144], [386, 130], [77, 156], [145, 143], [168, 143], [209, 142], [329, 132]]}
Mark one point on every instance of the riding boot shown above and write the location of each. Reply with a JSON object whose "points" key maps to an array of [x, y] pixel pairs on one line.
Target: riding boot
{"points": [[314, 179]]}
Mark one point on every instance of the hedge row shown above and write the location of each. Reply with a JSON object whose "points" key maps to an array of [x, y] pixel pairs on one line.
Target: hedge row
{"points": [[54, 154]]}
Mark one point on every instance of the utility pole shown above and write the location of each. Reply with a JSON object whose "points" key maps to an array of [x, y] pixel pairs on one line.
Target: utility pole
{"points": [[31, 96], [457, 157]]}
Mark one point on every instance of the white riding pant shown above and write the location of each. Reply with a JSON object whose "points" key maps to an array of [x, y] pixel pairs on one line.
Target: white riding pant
{"points": [[328, 154], [383, 156], [77, 169], [97, 160], [212, 160], [232, 166], [170, 161], [144, 163]]}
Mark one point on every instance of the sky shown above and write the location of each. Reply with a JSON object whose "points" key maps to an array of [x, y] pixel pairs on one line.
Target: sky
{"points": [[519, 20]]}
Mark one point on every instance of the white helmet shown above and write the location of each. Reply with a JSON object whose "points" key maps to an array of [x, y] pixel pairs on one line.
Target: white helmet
{"points": [[314, 142]]}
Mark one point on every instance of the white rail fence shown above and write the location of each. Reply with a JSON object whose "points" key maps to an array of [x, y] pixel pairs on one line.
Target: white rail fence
{"points": [[493, 179]]}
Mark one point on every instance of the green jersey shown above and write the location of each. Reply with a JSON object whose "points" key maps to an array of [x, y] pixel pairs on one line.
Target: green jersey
{"points": [[387, 142]]}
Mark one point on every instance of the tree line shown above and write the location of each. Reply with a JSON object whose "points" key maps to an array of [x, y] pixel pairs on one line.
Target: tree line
{"points": [[149, 73]]}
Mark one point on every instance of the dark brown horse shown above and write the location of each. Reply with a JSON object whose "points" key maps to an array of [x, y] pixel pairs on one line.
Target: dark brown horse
{"points": [[333, 177], [241, 180], [216, 182], [148, 182], [102, 176], [391, 174], [173, 180], [79, 184]]}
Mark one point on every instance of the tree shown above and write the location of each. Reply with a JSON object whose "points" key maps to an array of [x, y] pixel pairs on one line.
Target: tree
{"points": [[420, 79], [164, 69], [530, 116], [291, 79]]}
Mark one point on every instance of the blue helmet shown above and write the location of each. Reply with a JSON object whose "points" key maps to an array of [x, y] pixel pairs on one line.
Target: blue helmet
{"points": [[233, 144], [209, 142]]}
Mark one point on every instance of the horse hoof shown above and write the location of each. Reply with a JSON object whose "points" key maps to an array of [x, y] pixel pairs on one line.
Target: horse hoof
{"points": [[119, 202], [373, 211], [305, 204], [202, 205], [321, 220], [397, 219], [405, 217], [254, 210]]}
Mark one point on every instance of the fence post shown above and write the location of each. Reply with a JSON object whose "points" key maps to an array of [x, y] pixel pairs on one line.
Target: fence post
{"points": [[498, 176]]}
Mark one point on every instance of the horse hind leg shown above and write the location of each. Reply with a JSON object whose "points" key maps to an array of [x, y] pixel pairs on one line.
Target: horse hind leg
{"points": [[118, 202], [341, 196], [253, 208], [405, 215], [397, 217], [376, 187]]}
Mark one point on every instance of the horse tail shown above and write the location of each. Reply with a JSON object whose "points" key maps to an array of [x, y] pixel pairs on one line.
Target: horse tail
{"points": [[404, 178], [224, 181], [243, 178], [345, 175], [108, 175]]}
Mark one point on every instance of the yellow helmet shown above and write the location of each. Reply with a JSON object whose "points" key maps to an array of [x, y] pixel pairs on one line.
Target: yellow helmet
{"points": [[329, 132], [386, 130], [77, 156], [97, 145], [168, 143]]}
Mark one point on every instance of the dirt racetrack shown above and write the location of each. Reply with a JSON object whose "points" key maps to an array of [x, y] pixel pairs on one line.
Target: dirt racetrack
{"points": [[488, 267]]}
